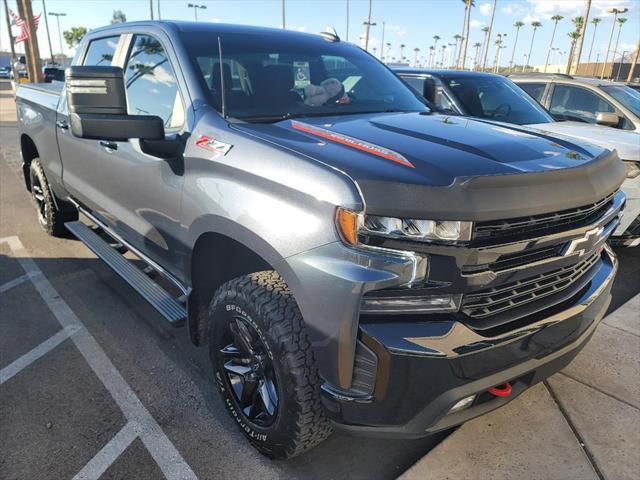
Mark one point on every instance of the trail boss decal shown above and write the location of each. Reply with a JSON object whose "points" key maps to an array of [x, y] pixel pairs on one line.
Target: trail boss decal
{"points": [[213, 145]]}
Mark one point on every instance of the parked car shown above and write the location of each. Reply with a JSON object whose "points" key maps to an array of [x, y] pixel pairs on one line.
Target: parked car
{"points": [[633, 85], [351, 259], [494, 98], [5, 72], [53, 74], [589, 100]]}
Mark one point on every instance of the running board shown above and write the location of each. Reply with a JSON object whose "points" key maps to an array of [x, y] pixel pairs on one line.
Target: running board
{"points": [[159, 298]]}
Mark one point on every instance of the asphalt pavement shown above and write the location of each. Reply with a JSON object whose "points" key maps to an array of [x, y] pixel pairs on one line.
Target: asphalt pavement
{"points": [[112, 391]]}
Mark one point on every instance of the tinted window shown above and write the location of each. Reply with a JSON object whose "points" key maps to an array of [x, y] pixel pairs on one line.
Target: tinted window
{"points": [[275, 76], [101, 51], [495, 98], [576, 103], [535, 90], [151, 82], [627, 96]]}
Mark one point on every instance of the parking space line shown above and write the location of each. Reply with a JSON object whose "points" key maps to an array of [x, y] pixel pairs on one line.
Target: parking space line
{"points": [[165, 454], [28, 358], [14, 283], [109, 453]]}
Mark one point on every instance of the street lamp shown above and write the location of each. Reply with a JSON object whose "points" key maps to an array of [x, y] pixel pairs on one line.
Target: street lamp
{"points": [[624, 54], [58, 15], [616, 12], [195, 9]]}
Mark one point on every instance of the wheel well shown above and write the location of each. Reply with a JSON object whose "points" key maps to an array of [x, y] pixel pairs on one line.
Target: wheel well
{"points": [[215, 260], [29, 152]]}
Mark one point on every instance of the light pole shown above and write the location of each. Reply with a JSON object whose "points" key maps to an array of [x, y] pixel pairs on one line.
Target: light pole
{"points": [[624, 53], [382, 43], [284, 20], [367, 26], [616, 12], [196, 8], [46, 24], [58, 15]]}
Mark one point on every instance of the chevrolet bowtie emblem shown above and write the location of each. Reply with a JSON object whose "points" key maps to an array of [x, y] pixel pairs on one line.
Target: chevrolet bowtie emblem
{"points": [[591, 240]]}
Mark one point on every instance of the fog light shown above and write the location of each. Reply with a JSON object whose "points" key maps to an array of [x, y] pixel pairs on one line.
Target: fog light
{"points": [[410, 304], [462, 404]]}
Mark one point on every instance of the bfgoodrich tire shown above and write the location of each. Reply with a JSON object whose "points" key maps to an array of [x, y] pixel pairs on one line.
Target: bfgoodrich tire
{"points": [[51, 218], [264, 366]]}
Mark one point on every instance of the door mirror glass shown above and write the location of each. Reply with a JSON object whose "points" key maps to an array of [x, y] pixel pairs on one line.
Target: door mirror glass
{"points": [[607, 118], [98, 106]]}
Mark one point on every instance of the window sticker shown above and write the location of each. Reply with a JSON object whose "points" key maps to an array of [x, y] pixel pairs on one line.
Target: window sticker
{"points": [[302, 74]]}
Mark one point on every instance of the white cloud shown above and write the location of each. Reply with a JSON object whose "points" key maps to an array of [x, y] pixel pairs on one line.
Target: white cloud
{"points": [[571, 8], [476, 24], [528, 19], [512, 9], [485, 9], [397, 29]]}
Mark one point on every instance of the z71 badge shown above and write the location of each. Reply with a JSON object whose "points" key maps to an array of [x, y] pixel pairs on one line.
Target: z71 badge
{"points": [[213, 145]]}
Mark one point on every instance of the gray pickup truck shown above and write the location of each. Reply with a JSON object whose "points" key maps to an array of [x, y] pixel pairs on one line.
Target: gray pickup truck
{"points": [[352, 259]]}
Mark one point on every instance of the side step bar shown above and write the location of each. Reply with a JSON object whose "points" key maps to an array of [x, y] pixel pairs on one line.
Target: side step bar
{"points": [[159, 298]]}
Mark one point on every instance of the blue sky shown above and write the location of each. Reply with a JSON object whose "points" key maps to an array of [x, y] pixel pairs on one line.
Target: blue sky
{"points": [[409, 22]]}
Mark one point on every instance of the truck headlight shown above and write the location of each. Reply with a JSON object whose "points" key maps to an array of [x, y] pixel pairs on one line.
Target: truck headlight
{"points": [[351, 224], [633, 168]]}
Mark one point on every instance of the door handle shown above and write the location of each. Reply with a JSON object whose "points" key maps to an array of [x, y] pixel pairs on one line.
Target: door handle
{"points": [[109, 145], [61, 124]]}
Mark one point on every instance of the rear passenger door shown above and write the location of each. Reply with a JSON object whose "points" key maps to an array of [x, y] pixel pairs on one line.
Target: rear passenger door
{"points": [[569, 102]]}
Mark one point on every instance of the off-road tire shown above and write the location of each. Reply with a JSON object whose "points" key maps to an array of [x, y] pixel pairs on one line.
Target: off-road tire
{"points": [[50, 218], [265, 302]]}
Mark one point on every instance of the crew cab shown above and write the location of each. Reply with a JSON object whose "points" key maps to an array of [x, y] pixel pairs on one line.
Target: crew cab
{"points": [[490, 97], [352, 259]]}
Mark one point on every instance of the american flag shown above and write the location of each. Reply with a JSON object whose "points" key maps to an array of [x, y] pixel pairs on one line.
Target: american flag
{"points": [[24, 27]]}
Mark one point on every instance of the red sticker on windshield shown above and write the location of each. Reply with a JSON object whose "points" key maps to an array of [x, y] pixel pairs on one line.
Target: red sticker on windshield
{"points": [[352, 142]]}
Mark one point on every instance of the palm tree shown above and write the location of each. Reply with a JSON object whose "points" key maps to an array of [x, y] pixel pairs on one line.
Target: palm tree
{"points": [[432, 51], [574, 36], [436, 39], [457, 38], [476, 58], [583, 30], [536, 25], [444, 48], [388, 49], [595, 21], [518, 26], [415, 56], [402, 50], [621, 21], [465, 30], [485, 30], [578, 22], [488, 34], [556, 19]]}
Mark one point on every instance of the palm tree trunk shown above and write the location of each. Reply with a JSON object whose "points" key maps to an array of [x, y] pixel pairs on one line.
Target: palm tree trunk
{"points": [[553, 35], [634, 62], [488, 42], [465, 37], [515, 44], [581, 39], [570, 57], [533, 36], [595, 29]]}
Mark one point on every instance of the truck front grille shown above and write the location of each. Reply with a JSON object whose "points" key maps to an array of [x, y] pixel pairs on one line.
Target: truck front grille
{"points": [[543, 223], [505, 303]]}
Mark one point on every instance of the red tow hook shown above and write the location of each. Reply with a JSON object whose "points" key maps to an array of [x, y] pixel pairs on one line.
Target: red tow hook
{"points": [[501, 390]]}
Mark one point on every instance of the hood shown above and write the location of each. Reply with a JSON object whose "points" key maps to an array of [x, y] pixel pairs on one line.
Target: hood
{"points": [[404, 162], [627, 143]]}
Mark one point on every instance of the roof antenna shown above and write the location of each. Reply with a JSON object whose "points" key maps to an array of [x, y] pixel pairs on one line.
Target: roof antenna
{"points": [[222, 88], [330, 35]]}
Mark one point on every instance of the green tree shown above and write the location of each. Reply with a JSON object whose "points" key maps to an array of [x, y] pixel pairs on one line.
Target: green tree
{"points": [[518, 26], [536, 25], [118, 17], [556, 19], [74, 36], [462, 56], [595, 21]]}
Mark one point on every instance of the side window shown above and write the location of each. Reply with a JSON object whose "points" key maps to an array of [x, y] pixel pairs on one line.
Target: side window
{"points": [[151, 82], [576, 103], [535, 90], [101, 51]]}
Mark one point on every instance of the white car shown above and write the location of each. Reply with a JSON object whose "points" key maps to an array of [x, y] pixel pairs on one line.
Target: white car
{"points": [[497, 99]]}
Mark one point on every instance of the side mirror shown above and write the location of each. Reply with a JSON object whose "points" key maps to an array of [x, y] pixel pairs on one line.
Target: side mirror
{"points": [[430, 90], [607, 118], [97, 103]]}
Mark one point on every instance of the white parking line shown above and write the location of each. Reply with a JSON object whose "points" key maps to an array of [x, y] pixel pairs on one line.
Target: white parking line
{"points": [[28, 358], [160, 447], [103, 460], [14, 283]]}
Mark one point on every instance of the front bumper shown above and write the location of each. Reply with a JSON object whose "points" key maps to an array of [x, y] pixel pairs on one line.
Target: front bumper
{"points": [[628, 233], [425, 368]]}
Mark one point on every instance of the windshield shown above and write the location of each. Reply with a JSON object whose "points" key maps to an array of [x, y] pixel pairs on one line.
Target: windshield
{"points": [[627, 96], [496, 98], [271, 77]]}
